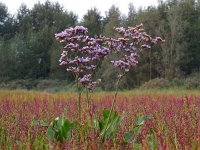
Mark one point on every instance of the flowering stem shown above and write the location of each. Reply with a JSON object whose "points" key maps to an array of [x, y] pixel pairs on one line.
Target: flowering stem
{"points": [[79, 105], [79, 99], [113, 105], [88, 101]]}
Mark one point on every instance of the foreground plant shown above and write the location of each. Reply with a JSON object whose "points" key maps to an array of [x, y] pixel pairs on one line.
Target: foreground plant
{"points": [[132, 40], [59, 129], [81, 58]]}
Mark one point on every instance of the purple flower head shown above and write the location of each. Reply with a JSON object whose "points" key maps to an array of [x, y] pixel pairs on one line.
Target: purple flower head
{"points": [[146, 46], [120, 30], [91, 85], [83, 54], [83, 60], [86, 79], [131, 41], [80, 29], [64, 54], [89, 68], [72, 46], [85, 49], [73, 69], [72, 34]]}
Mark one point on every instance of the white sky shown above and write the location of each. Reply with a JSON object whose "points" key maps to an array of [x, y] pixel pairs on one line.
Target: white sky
{"points": [[80, 7]]}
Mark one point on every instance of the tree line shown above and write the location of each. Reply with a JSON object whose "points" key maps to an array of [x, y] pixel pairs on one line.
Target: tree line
{"points": [[28, 49]]}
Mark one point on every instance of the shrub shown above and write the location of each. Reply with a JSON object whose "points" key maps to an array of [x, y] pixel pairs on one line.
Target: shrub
{"points": [[157, 84], [193, 81]]}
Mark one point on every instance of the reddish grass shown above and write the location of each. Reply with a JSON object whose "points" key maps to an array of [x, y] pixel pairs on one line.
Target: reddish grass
{"points": [[176, 119]]}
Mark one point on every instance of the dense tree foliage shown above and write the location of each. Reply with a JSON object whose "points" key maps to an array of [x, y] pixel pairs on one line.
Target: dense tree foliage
{"points": [[93, 21], [28, 49]]}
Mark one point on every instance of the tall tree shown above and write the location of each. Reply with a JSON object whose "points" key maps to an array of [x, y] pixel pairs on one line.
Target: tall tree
{"points": [[131, 19], [92, 20], [113, 19], [175, 48], [7, 24]]}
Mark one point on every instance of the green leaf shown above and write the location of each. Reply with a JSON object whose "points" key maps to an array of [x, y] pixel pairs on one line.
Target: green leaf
{"points": [[102, 126], [60, 122], [65, 128], [152, 140], [67, 125], [142, 119], [18, 142], [112, 125], [69, 136], [35, 122], [40, 122], [106, 113], [43, 124], [50, 133], [137, 131], [59, 136], [129, 136]]}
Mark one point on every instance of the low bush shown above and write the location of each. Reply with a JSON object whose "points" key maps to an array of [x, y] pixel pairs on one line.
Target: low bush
{"points": [[157, 84], [191, 82], [19, 84]]}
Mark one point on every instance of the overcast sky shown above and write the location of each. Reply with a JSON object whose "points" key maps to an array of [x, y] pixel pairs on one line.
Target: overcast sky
{"points": [[80, 7]]}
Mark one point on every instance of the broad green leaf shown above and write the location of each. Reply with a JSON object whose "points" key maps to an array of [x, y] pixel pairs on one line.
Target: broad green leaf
{"points": [[69, 136], [50, 133], [60, 122], [102, 127], [106, 113], [112, 125], [60, 136], [63, 132], [66, 129], [67, 124]]}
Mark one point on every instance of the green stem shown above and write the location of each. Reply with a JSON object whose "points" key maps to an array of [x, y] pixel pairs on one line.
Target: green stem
{"points": [[88, 101], [112, 107], [79, 106], [79, 99]]}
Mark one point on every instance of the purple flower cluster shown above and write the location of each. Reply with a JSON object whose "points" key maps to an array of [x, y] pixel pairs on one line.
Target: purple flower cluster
{"points": [[131, 41], [126, 63], [82, 54], [72, 34], [87, 81]]}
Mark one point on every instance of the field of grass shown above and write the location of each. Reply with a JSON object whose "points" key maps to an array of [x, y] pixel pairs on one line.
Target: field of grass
{"points": [[175, 119]]}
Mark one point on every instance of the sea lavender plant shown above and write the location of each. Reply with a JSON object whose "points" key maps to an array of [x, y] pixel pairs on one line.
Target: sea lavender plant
{"points": [[83, 54], [132, 40], [81, 57]]}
